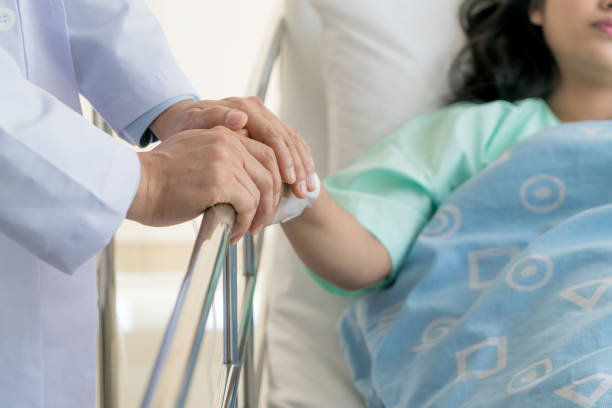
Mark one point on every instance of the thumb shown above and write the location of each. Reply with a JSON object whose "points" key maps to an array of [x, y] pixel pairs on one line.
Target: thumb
{"points": [[236, 119], [208, 118]]}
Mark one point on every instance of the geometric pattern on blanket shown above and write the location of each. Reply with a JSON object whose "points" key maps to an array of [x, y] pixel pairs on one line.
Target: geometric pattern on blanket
{"points": [[505, 299]]}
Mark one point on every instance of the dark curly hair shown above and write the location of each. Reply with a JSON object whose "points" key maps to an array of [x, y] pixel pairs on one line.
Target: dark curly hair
{"points": [[506, 57]]}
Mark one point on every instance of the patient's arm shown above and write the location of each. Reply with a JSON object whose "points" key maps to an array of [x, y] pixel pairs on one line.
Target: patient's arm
{"points": [[331, 242]]}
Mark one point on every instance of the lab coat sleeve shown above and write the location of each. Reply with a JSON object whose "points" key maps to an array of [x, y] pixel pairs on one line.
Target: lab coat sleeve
{"points": [[122, 62], [65, 186]]}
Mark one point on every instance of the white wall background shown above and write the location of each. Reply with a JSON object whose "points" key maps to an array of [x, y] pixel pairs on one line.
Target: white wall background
{"points": [[216, 42]]}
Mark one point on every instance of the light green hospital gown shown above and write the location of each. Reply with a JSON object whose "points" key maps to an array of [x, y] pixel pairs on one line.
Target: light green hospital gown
{"points": [[395, 188]]}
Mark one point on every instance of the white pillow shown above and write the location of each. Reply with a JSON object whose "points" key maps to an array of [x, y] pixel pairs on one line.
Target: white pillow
{"points": [[351, 72], [383, 61]]}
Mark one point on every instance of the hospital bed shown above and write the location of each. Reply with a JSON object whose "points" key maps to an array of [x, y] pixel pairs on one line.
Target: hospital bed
{"points": [[349, 73]]}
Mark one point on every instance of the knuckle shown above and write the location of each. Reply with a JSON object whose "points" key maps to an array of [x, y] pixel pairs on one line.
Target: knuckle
{"points": [[269, 156], [306, 147], [237, 102], [255, 100], [310, 168], [300, 174], [220, 129], [253, 204], [217, 175], [223, 134], [266, 213], [268, 181], [192, 114], [275, 135], [309, 154], [218, 152], [216, 111]]}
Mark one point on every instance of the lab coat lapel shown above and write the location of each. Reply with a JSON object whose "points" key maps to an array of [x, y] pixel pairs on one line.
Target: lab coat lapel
{"points": [[47, 49]]}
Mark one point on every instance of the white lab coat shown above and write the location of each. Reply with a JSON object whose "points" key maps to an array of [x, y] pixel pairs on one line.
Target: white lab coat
{"points": [[64, 185]]}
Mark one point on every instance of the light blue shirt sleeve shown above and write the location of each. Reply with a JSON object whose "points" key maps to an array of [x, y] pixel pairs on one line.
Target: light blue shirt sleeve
{"points": [[133, 133]]}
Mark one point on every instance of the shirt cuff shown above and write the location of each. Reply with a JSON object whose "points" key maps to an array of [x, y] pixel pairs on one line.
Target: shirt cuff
{"points": [[134, 132]]}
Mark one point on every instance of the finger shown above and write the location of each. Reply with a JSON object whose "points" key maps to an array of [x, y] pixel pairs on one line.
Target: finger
{"points": [[305, 157], [266, 207], [265, 155], [209, 117], [262, 129], [299, 187], [310, 164], [284, 157], [294, 145], [264, 181], [246, 197]]}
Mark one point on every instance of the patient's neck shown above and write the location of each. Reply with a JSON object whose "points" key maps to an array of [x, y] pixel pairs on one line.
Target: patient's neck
{"points": [[575, 101]]}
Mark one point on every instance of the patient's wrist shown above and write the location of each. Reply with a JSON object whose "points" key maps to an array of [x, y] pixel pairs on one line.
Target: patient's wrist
{"points": [[291, 206]]}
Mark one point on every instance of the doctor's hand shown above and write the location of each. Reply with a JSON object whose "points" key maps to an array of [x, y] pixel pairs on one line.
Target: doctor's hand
{"points": [[292, 153], [196, 169]]}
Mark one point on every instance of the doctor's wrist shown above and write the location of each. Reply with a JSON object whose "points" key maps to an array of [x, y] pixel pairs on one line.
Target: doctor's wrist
{"points": [[140, 209], [167, 123]]}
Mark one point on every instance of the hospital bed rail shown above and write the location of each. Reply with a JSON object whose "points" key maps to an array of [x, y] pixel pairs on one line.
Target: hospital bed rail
{"points": [[211, 258]]}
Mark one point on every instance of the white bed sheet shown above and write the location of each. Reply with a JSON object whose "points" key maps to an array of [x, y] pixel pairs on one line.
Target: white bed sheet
{"points": [[351, 72]]}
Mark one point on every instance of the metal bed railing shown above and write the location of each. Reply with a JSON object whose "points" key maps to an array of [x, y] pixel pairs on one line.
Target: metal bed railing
{"points": [[211, 258]]}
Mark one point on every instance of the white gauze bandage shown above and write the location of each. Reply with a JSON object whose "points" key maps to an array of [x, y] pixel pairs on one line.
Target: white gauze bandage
{"points": [[290, 206]]}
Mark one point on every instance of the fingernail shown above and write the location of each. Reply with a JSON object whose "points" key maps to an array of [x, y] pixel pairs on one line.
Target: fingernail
{"points": [[312, 182], [276, 198], [291, 175], [234, 118], [302, 187]]}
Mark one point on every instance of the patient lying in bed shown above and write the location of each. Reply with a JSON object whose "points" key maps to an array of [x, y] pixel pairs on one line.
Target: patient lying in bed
{"points": [[494, 293]]}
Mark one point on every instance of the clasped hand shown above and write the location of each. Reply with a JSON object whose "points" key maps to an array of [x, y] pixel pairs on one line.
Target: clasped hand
{"points": [[232, 151]]}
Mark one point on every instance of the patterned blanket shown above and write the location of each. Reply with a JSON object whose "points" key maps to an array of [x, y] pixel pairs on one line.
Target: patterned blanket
{"points": [[505, 297]]}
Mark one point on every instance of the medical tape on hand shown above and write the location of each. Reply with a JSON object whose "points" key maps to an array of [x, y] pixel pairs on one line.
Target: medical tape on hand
{"points": [[292, 206]]}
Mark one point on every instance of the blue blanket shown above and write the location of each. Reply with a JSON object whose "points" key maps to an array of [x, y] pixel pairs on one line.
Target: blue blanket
{"points": [[505, 299]]}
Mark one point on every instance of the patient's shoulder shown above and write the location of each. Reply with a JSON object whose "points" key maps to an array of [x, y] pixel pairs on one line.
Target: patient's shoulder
{"points": [[481, 120], [496, 110], [482, 130]]}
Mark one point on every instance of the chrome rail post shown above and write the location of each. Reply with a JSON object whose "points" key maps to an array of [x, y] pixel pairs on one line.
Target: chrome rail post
{"points": [[250, 387], [108, 333], [176, 360], [248, 254], [230, 317], [230, 396], [230, 308]]}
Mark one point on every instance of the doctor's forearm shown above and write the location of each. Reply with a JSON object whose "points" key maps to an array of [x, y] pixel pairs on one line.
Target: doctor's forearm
{"points": [[331, 242]]}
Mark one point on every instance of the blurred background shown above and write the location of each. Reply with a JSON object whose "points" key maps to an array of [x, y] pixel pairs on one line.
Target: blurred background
{"points": [[217, 44]]}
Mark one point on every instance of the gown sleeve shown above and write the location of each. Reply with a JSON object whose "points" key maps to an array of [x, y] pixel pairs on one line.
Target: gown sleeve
{"points": [[395, 188]]}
